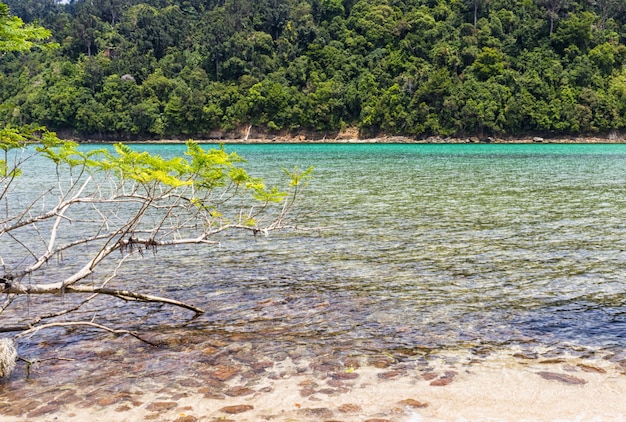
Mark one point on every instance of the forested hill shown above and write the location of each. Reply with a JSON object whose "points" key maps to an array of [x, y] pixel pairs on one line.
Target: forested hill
{"points": [[169, 68]]}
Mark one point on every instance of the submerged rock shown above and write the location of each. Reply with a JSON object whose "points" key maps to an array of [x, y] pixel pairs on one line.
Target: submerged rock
{"points": [[446, 379], [381, 362], [161, 406], [239, 391], [224, 373], [43, 410], [239, 408], [344, 375], [186, 418], [350, 408], [413, 403], [391, 374], [564, 378], [591, 368], [318, 412]]}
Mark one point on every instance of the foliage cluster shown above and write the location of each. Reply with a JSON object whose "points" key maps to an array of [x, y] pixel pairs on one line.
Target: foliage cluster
{"points": [[157, 68]]}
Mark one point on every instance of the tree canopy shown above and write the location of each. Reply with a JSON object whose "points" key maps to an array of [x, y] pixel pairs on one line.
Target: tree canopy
{"points": [[180, 68], [15, 36]]}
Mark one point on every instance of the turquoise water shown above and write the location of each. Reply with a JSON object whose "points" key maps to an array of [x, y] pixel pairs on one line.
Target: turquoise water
{"points": [[424, 248], [431, 246], [443, 245]]}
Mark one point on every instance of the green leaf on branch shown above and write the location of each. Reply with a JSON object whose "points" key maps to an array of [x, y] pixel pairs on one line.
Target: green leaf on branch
{"points": [[298, 176]]}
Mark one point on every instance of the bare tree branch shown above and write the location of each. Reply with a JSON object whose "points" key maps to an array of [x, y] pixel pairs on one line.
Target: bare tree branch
{"points": [[82, 324], [100, 208]]}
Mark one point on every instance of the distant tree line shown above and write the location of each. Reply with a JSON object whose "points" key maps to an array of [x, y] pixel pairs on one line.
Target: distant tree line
{"points": [[160, 68]]}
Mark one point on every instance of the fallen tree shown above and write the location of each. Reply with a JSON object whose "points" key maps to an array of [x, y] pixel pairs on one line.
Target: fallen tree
{"points": [[99, 207]]}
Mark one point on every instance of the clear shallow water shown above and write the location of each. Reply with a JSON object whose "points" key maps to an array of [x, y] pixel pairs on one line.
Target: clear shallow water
{"points": [[426, 247], [448, 245]]}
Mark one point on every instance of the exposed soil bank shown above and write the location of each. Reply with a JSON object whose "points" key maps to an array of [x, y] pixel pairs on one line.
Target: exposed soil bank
{"points": [[430, 140], [384, 140], [350, 135]]}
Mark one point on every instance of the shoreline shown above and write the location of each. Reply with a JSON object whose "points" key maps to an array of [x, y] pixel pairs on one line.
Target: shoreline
{"points": [[282, 139], [382, 141], [451, 388]]}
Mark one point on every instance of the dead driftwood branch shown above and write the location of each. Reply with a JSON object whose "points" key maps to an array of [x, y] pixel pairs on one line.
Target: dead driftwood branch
{"points": [[8, 357]]}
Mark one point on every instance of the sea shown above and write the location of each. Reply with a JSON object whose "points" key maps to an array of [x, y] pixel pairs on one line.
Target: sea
{"points": [[410, 251]]}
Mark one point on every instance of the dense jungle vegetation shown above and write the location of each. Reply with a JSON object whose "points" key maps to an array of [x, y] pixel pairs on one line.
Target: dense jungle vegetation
{"points": [[176, 68]]}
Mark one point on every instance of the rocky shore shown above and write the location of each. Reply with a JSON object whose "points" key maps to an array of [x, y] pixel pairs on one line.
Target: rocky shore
{"points": [[391, 140], [408, 140], [350, 136]]}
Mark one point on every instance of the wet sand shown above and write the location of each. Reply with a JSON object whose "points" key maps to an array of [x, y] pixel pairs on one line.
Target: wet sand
{"points": [[498, 388]]}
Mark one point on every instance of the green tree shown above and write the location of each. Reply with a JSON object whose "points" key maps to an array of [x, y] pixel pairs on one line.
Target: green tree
{"points": [[489, 63], [17, 36], [354, 54]]}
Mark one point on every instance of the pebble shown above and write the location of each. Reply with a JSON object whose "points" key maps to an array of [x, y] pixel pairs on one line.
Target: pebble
{"points": [[239, 391], [429, 376], [23, 408], [212, 385], [526, 355], [441, 382], [412, 403], [353, 363], [446, 379], [326, 366], [318, 412], [66, 398], [224, 373], [261, 366], [335, 383], [238, 408], [590, 368], [187, 418], [245, 357], [190, 382], [107, 401], [209, 350], [161, 406], [214, 395], [391, 374], [564, 378], [307, 391], [350, 408], [44, 410], [344, 375], [381, 362], [551, 361]]}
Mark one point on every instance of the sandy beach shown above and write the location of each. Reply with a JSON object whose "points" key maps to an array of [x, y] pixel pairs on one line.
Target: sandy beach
{"points": [[499, 388]]}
